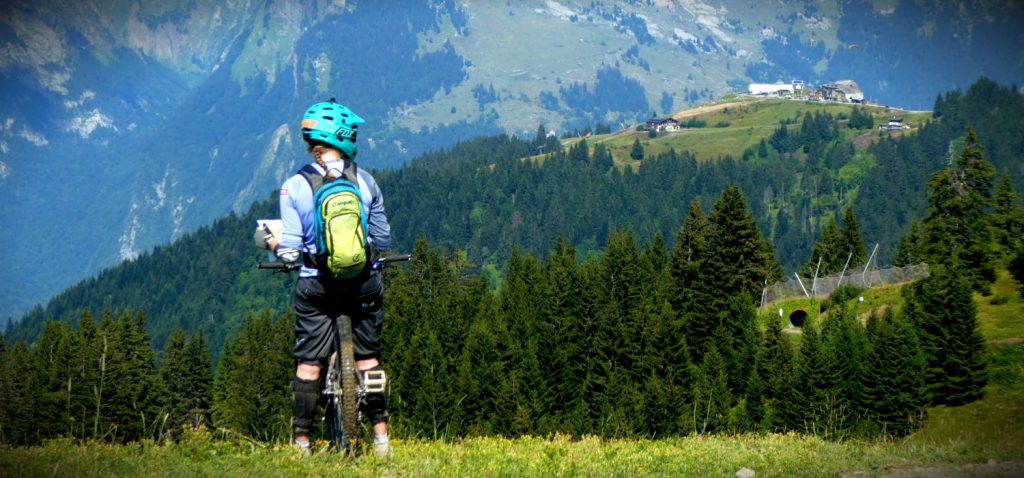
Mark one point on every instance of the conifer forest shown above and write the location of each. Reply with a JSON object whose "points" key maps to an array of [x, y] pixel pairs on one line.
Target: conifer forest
{"points": [[626, 305]]}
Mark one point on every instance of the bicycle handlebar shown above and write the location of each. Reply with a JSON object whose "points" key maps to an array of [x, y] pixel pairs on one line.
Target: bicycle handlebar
{"points": [[292, 266]]}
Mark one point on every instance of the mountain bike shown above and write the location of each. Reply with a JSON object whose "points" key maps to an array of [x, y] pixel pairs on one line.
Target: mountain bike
{"points": [[344, 392]]}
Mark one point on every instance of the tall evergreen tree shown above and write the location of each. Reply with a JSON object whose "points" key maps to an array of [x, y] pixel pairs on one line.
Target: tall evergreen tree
{"points": [[741, 259], [844, 344], [186, 373], [199, 377], [966, 363], [711, 396], [828, 256], [771, 380], [956, 229], [894, 388], [910, 249], [943, 312], [851, 238], [172, 371], [807, 410], [20, 391], [136, 402], [691, 292], [252, 394], [569, 320], [1008, 214]]}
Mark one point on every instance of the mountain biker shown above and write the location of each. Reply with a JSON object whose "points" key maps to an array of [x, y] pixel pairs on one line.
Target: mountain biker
{"points": [[329, 130]]}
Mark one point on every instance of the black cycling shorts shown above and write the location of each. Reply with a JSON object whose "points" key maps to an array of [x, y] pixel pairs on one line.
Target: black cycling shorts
{"points": [[318, 300]]}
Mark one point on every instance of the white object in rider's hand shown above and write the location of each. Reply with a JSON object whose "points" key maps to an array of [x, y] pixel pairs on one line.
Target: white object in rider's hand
{"points": [[266, 229]]}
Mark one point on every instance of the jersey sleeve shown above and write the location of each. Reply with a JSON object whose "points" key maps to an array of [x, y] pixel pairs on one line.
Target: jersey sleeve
{"points": [[377, 222], [291, 232]]}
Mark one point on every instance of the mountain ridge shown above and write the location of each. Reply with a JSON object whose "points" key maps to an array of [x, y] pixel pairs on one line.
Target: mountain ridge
{"points": [[159, 111]]}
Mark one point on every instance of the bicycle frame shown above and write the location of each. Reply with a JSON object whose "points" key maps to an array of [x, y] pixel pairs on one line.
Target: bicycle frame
{"points": [[344, 392]]}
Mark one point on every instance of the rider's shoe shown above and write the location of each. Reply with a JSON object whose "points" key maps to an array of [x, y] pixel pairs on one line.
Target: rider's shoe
{"points": [[304, 447], [381, 446]]}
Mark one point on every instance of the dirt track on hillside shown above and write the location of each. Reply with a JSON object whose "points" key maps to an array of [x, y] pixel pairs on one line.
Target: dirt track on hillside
{"points": [[711, 108]]}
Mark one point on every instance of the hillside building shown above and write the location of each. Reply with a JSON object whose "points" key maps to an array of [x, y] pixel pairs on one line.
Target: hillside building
{"points": [[842, 91], [894, 124], [661, 124], [775, 89]]}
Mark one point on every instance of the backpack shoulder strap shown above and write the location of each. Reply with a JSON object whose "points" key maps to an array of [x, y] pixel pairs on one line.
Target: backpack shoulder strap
{"points": [[313, 177], [350, 172]]}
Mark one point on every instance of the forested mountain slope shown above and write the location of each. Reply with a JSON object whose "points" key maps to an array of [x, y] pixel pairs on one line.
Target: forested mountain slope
{"points": [[483, 198]]}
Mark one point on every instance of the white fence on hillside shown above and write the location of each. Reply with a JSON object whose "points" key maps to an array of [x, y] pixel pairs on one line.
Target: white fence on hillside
{"points": [[823, 287]]}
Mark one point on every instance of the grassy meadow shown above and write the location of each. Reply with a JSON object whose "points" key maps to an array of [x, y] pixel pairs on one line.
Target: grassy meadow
{"points": [[737, 123]]}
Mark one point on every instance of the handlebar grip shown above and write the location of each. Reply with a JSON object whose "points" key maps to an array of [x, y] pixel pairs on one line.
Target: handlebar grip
{"points": [[286, 266], [395, 258]]}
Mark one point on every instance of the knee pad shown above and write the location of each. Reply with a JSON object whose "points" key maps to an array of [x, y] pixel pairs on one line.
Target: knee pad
{"points": [[375, 382], [305, 394]]}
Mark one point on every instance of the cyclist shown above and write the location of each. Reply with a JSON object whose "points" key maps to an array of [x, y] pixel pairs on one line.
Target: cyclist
{"points": [[329, 130]]}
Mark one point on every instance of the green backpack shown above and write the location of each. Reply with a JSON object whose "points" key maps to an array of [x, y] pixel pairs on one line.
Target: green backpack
{"points": [[340, 223]]}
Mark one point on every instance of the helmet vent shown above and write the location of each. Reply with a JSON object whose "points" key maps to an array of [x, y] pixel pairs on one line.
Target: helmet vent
{"points": [[329, 118]]}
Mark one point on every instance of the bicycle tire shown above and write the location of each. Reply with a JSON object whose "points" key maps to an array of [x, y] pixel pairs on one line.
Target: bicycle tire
{"points": [[349, 383], [332, 408]]}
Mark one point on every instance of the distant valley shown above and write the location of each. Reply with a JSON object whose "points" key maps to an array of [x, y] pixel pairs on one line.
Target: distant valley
{"points": [[150, 120]]}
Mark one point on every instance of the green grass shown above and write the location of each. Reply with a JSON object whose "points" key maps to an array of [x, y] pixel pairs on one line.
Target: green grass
{"points": [[767, 455], [749, 120], [1002, 313]]}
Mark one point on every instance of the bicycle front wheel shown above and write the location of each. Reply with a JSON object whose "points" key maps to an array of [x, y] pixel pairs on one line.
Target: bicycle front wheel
{"points": [[348, 399]]}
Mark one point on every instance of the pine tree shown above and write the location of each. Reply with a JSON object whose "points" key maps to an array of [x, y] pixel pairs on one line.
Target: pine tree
{"points": [[828, 250], [51, 359], [568, 316], [199, 376], [480, 371], [844, 343], [851, 240], [711, 396], [807, 409], [637, 152], [20, 391], [910, 250], [1017, 266], [738, 337], [956, 229], [136, 400], [186, 375], [690, 291], [616, 347], [771, 380], [943, 312], [172, 371], [602, 158], [894, 388], [966, 362], [741, 260], [1008, 214], [252, 395]]}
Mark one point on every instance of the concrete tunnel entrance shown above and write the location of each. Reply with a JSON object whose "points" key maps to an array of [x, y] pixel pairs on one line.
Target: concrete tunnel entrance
{"points": [[798, 317]]}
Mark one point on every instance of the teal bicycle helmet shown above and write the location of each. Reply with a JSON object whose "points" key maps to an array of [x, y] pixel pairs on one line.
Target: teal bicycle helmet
{"points": [[332, 123]]}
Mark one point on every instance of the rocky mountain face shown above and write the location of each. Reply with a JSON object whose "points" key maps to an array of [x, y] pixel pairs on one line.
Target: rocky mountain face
{"points": [[125, 124]]}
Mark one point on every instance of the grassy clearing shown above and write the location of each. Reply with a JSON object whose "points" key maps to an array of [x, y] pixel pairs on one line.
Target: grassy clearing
{"points": [[1002, 313], [737, 124], [769, 455]]}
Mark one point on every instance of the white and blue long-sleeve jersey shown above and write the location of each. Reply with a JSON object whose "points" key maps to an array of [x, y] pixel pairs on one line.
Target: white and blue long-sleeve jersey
{"points": [[297, 213]]}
